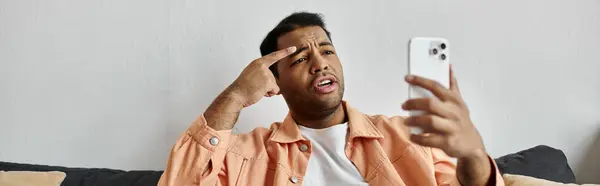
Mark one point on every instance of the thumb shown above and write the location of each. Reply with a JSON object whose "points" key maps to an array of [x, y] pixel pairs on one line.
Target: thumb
{"points": [[453, 81]]}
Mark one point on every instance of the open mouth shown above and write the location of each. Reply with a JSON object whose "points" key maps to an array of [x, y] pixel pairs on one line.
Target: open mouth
{"points": [[323, 83]]}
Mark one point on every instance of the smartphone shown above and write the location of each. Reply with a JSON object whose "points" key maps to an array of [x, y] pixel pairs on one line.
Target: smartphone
{"points": [[428, 57]]}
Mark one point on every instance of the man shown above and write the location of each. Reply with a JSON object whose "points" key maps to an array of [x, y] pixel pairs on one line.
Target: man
{"points": [[323, 140]]}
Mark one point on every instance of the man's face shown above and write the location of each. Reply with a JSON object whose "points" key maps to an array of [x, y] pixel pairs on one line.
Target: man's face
{"points": [[310, 79]]}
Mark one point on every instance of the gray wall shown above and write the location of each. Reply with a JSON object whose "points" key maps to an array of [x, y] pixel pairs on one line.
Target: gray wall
{"points": [[113, 83]]}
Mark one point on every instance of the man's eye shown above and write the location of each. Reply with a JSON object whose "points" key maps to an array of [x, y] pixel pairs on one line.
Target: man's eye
{"points": [[328, 52], [298, 61]]}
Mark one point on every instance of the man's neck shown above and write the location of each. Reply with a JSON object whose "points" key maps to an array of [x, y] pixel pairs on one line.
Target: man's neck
{"points": [[322, 119]]}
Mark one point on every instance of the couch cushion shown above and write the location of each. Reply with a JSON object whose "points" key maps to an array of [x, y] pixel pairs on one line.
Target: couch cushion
{"points": [[52, 178], [542, 162], [520, 180], [96, 177]]}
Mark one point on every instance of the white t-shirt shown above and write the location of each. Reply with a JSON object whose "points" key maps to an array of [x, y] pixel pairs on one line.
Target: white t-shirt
{"points": [[328, 163]]}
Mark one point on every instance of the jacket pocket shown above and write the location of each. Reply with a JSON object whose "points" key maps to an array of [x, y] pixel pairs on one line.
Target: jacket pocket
{"points": [[242, 173]]}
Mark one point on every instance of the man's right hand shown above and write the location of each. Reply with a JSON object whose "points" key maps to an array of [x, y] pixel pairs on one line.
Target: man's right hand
{"points": [[253, 83], [257, 80]]}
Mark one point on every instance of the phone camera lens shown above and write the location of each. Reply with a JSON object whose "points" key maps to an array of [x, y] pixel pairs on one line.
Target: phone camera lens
{"points": [[434, 51], [443, 46], [443, 56]]}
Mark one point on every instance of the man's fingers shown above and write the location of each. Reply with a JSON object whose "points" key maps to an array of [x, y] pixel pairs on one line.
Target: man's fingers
{"points": [[272, 58], [274, 90], [436, 88], [431, 123], [429, 140], [269, 94], [453, 81], [430, 105]]}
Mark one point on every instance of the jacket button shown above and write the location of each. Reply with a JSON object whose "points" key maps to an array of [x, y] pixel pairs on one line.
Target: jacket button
{"points": [[294, 179], [303, 147], [214, 141]]}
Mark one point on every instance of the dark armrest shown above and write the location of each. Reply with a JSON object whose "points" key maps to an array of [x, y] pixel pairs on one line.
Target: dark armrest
{"points": [[542, 162], [92, 176]]}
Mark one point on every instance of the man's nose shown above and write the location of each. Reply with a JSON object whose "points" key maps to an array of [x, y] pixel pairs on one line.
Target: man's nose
{"points": [[318, 65]]}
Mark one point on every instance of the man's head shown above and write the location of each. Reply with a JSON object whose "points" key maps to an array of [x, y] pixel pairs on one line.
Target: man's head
{"points": [[311, 80]]}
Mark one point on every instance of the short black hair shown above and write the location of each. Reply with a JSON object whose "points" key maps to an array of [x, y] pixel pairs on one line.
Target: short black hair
{"points": [[288, 24]]}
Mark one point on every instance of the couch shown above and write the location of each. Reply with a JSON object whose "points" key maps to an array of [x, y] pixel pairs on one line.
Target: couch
{"points": [[542, 162]]}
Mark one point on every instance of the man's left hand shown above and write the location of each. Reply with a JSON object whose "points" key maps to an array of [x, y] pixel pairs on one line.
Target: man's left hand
{"points": [[446, 122]]}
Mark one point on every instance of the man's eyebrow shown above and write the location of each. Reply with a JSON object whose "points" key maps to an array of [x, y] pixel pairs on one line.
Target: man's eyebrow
{"points": [[324, 43], [298, 51]]}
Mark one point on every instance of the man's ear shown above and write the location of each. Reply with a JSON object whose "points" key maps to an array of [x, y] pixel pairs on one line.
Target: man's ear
{"points": [[277, 81], [275, 68]]}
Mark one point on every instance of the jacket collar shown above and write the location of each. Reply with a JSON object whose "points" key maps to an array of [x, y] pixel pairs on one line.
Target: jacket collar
{"points": [[358, 123]]}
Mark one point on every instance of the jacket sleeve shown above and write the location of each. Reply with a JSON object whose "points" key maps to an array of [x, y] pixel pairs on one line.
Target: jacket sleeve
{"points": [[197, 157], [445, 170]]}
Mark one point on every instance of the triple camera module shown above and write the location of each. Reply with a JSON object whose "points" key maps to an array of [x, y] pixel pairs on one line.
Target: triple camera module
{"points": [[439, 49]]}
